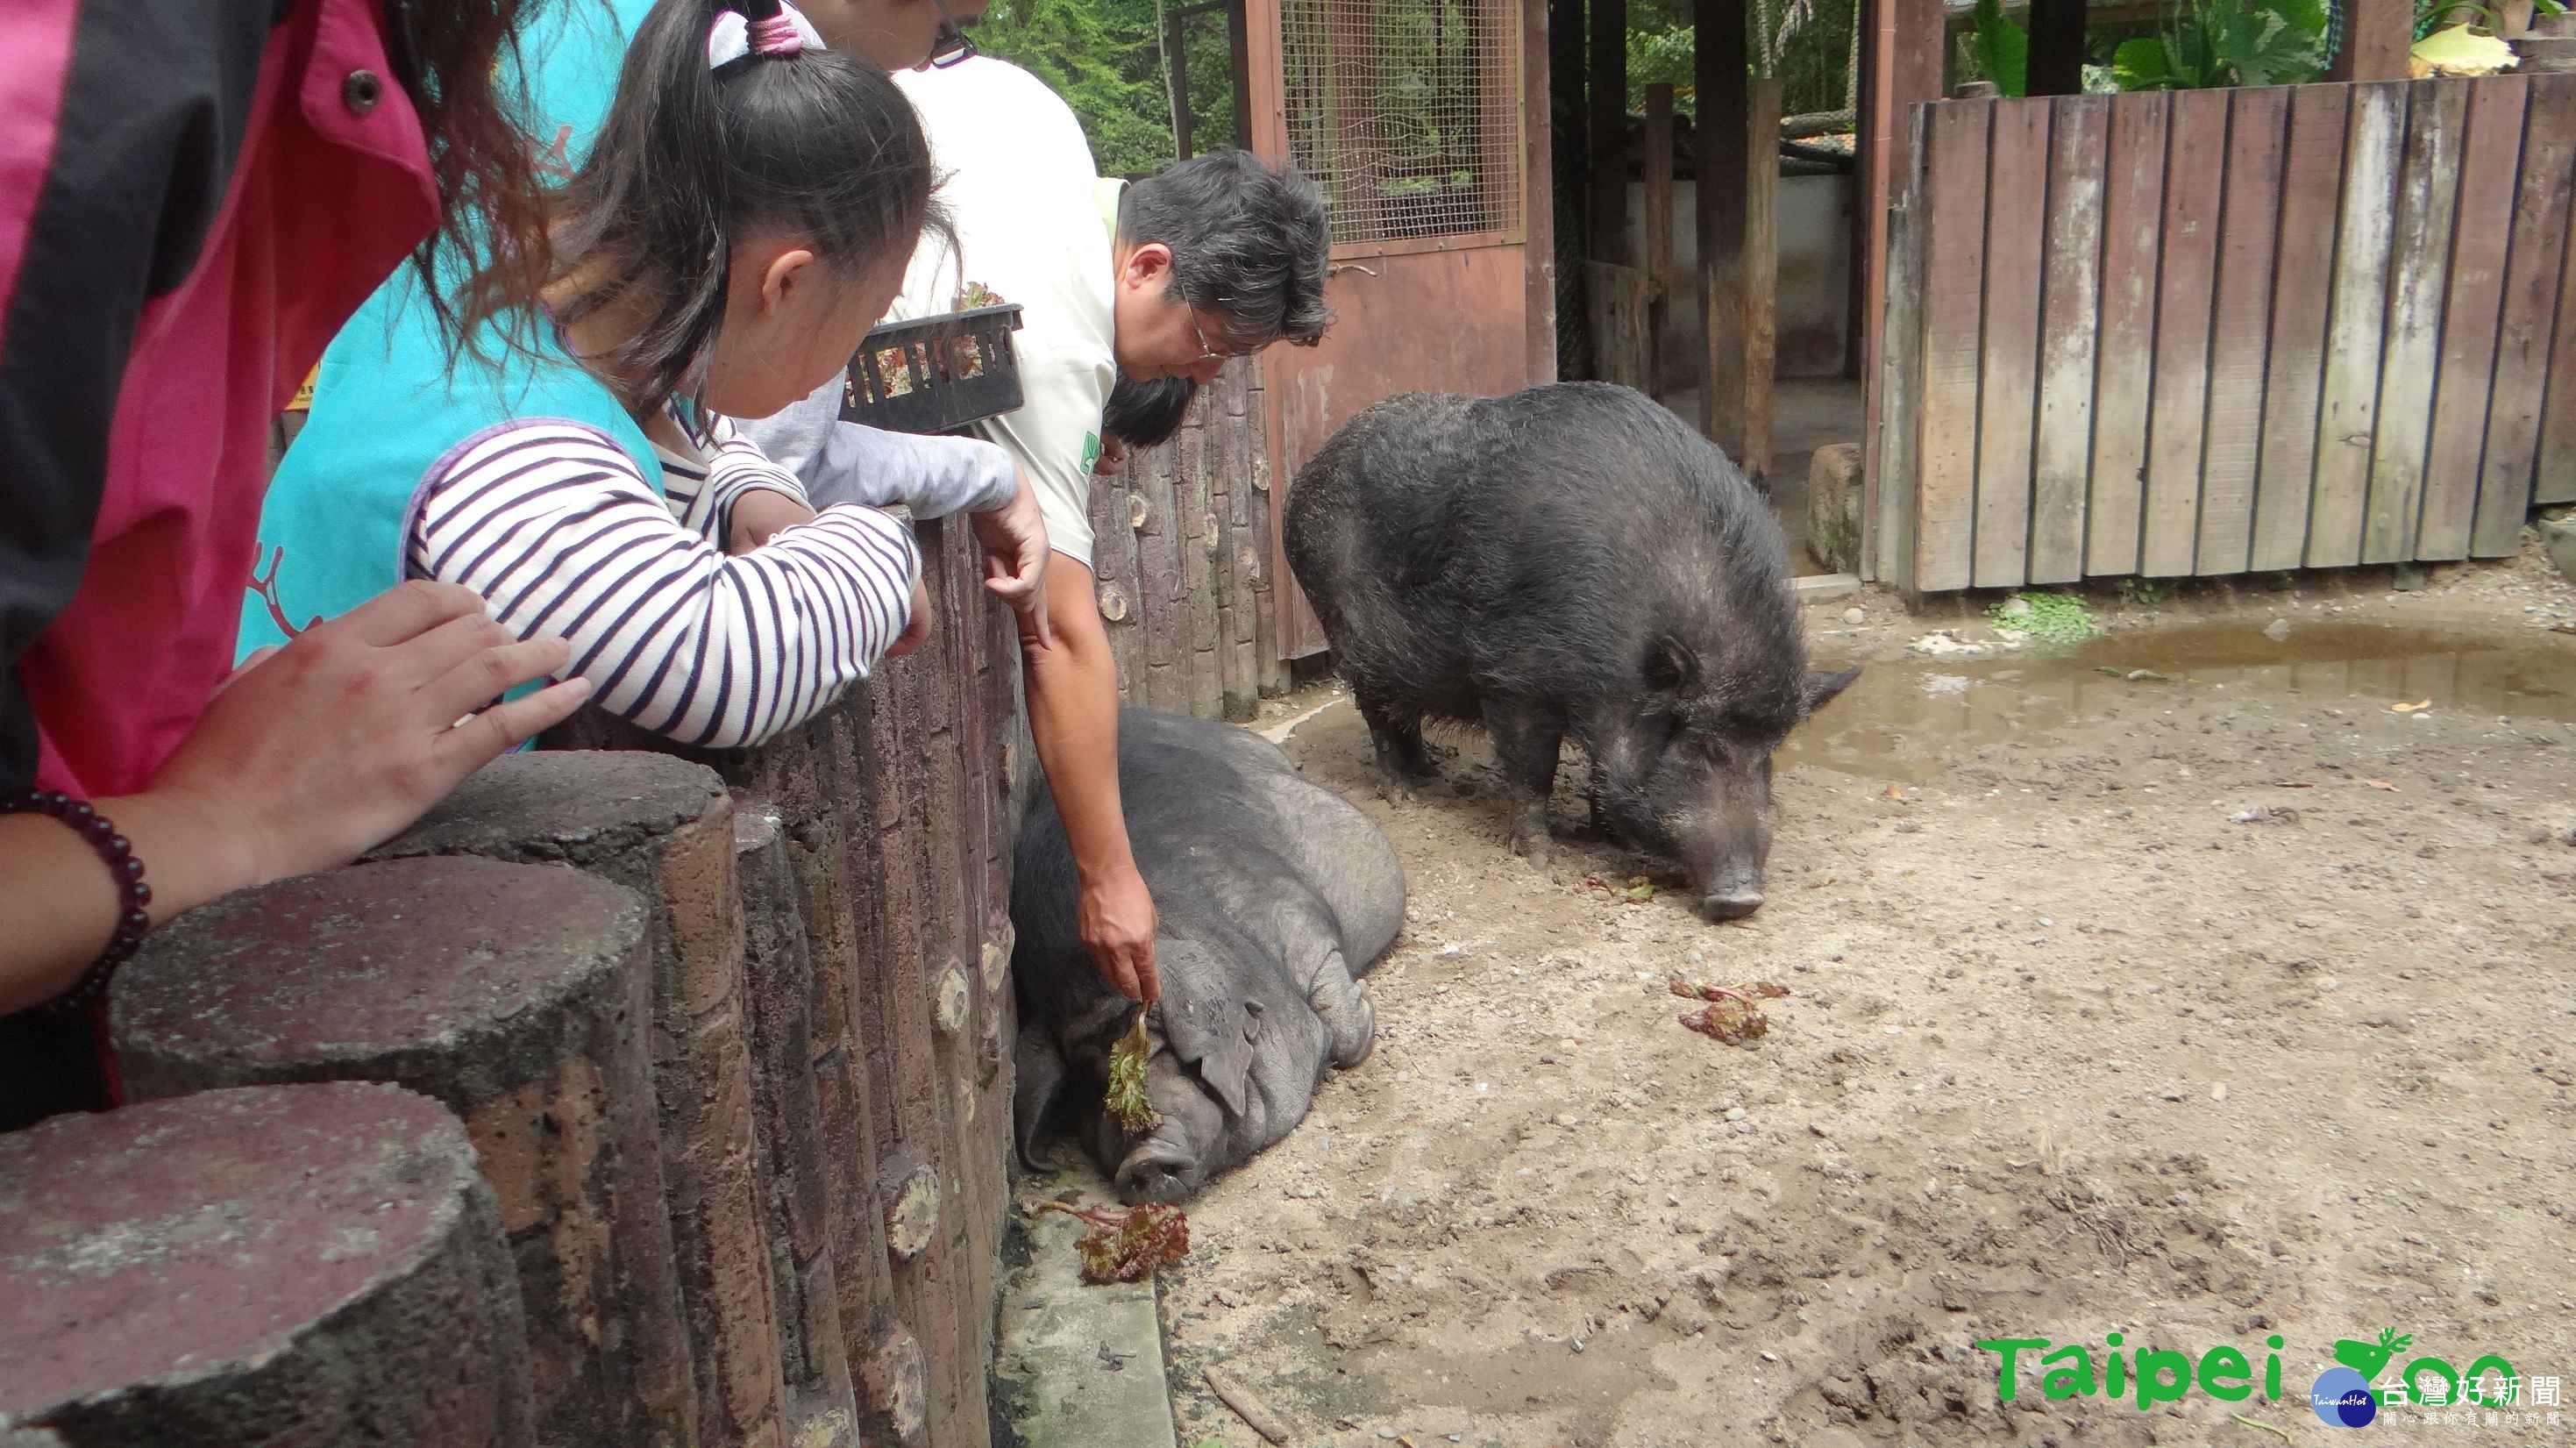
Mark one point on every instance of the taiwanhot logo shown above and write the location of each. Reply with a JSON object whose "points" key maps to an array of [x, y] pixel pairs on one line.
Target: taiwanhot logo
{"points": [[2342, 1397]]}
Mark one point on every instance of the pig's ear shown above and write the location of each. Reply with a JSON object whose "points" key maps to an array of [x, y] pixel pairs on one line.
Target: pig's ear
{"points": [[1821, 688], [1213, 1036], [1670, 667]]}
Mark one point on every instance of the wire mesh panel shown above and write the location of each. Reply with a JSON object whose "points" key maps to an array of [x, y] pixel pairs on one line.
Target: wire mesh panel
{"points": [[1407, 113]]}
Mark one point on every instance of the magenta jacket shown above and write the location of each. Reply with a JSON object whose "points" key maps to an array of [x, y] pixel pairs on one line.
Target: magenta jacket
{"points": [[193, 195]]}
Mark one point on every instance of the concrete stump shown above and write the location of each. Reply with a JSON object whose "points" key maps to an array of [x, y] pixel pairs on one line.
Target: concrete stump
{"points": [[1834, 490], [663, 827], [280, 1265], [829, 843], [802, 1203], [2558, 536], [517, 996]]}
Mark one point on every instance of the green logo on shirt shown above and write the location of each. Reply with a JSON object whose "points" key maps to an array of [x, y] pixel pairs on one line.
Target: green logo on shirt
{"points": [[1090, 451]]}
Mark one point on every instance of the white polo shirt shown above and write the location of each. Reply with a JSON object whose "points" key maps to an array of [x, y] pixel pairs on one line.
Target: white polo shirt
{"points": [[1019, 184]]}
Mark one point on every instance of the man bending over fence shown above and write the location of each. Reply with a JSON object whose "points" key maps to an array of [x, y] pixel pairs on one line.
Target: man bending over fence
{"points": [[1213, 258]]}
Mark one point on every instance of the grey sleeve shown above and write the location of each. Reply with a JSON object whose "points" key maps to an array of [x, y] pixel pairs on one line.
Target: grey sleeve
{"points": [[842, 462], [795, 438]]}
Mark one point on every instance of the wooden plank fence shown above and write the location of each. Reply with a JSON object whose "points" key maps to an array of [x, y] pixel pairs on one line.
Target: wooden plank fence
{"points": [[2215, 332], [1181, 554]]}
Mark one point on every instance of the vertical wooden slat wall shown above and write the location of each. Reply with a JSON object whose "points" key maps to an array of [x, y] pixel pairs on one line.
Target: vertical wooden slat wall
{"points": [[1182, 555], [2069, 336], [2214, 332], [2187, 281], [2553, 103], [2249, 217], [2016, 219], [2539, 246], [2295, 365], [2133, 190], [1954, 182], [2428, 193], [2471, 314]]}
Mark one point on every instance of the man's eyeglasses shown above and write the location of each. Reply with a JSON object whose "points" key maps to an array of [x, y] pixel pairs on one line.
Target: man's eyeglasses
{"points": [[1211, 354], [950, 46]]}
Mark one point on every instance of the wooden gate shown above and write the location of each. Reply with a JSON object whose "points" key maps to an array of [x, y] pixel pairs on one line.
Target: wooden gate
{"points": [[2222, 331], [1426, 123]]}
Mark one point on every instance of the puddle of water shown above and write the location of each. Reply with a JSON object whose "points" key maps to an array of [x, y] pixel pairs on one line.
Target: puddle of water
{"points": [[1907, 720], [1520, 1381]]}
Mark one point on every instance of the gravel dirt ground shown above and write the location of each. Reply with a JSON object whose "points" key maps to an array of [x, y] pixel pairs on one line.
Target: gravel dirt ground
{"points": [[2196, 1005]]}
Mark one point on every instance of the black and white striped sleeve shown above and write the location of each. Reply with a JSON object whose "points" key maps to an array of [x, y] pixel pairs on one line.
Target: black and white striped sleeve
{"points": [[553, 526], [703, 495]]}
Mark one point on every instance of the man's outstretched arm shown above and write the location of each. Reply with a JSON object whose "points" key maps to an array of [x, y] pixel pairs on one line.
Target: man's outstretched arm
{"points": [[1073, 713]]}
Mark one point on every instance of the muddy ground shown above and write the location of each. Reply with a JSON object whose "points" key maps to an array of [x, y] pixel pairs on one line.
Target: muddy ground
{"points": [[2194, 1008]]}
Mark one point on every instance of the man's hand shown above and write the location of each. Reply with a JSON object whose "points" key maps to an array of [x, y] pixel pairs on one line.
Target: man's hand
{"points": [[1117, 921], [1014, 540], [759, 514], [1113, 456]]}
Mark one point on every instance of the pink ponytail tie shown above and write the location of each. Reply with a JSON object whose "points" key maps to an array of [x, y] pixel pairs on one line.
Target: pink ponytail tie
{"points": [[775, 35], [781, 32]]}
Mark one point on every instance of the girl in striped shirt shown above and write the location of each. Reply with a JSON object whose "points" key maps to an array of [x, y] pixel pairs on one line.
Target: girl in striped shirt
{"points": [[745, 215]]}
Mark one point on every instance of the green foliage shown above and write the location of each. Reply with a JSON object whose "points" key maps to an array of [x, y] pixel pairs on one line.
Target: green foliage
{"points": [[1127, 1062], [2051, 618], [1661, 57], [2142, 65], [2432, 15], [1805, 44], [1105, 58], [1999, 50], [2200, 44], [1126, 1246], [2210, 43]]}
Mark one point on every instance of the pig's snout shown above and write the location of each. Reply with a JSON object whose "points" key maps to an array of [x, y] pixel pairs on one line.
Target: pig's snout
{"points": [[1157, 1171], [1733, 895], [1732, 904]]}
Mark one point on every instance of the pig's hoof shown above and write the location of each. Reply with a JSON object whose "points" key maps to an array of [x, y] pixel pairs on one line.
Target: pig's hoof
{"points": [[1395, 790], [1354, 1031], [1531, 843]]}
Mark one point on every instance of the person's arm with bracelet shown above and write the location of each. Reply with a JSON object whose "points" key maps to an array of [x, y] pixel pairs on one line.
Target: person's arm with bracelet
{"points": [[306, 760], [318, 753]]}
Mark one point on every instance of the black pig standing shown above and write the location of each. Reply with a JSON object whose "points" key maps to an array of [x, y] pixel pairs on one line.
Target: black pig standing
{"points": [[1569, 559], [1272, 894]]}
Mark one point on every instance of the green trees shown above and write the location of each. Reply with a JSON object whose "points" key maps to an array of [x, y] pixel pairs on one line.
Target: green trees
{"points": [[1105, 58]]}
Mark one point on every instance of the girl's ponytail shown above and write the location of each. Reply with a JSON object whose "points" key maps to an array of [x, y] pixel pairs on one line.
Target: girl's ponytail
{"points": [[730, 118], [760, 27]]}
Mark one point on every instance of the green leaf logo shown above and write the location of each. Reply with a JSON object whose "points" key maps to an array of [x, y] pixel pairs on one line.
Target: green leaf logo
{"points": [[2367, 1358]]}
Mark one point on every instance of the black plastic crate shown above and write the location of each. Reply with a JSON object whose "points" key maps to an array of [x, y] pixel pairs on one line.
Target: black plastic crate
{"points": [[937, 374]]}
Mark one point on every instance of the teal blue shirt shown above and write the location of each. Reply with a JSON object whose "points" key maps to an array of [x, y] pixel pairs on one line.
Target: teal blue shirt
{"points": [[388, 410]]}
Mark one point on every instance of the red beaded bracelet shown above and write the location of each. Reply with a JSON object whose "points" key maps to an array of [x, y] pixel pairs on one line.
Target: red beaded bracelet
{"points": [[132, 894]]}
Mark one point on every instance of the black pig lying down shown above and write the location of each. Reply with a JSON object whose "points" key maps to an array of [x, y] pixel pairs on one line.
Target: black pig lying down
{"points": [[1272, 895], [1569, 559]]}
